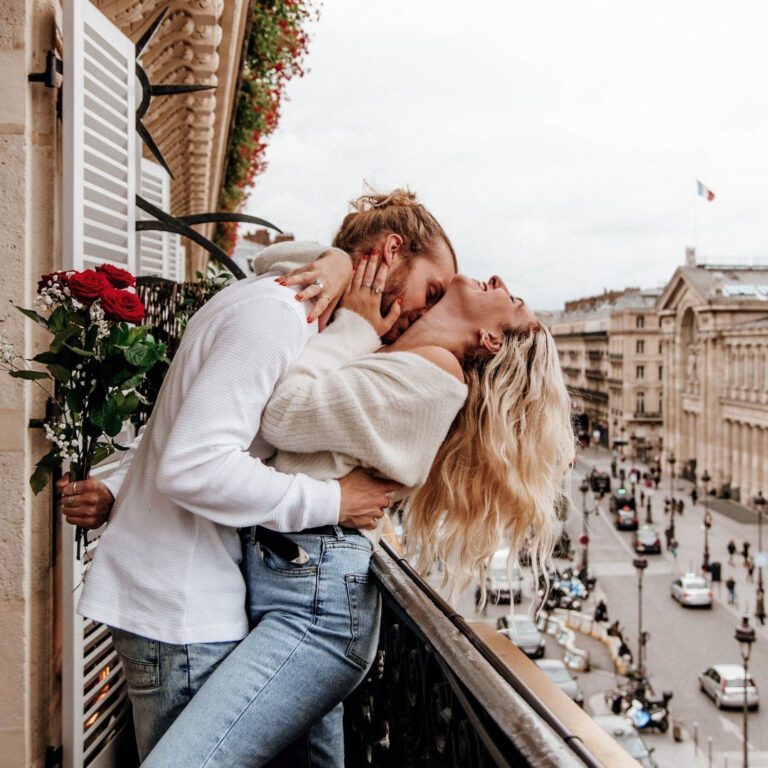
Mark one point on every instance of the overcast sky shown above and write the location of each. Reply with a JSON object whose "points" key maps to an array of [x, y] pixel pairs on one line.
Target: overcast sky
{"points": [[557, 141]]}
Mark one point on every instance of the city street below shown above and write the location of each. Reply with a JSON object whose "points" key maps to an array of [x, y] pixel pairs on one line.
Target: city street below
{"points": [[682, 642]]}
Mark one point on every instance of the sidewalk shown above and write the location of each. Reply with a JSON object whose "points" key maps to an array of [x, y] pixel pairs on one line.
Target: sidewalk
{"points": [[689, 531]]}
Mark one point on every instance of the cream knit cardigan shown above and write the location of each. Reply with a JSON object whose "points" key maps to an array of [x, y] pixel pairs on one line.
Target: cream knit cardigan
{"points": [[340, 406]]}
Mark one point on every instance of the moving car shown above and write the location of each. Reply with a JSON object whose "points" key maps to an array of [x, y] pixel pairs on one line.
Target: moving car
{"points": [[524, 633], [599, 482], [724, 683], [500, 588], [620, 499], [647, 540], [692, 590], [626, 519], [560, 675], [627, 737]]}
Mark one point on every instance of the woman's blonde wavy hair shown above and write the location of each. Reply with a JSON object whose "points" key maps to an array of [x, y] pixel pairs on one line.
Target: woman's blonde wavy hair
{"points": [[499, 475], [398, 212]]}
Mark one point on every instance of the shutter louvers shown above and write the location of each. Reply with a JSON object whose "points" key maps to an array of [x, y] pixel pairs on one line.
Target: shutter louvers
{"points": [[177, 257], [98, 226], [99, 141], [154, 246]]}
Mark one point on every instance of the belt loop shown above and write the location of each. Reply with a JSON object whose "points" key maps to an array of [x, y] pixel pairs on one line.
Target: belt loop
{"points": [[339, 533]]}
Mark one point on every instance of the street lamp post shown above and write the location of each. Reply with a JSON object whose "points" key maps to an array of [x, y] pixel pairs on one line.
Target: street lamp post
{"points": [[705, 478], [584, 488], [745, 635], [640, 564], [672, 461], [759, 501]]}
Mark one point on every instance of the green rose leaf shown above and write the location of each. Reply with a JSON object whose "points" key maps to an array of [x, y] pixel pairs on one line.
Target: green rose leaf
{"points": [[30, 313], [29, 375], [100, 452], [141, 355], [107, 417], [60, 373], [39, 478], [63, 336]]}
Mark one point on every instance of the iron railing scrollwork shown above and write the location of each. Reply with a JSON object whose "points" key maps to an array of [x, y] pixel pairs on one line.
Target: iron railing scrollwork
{"points": [[436, 696]]}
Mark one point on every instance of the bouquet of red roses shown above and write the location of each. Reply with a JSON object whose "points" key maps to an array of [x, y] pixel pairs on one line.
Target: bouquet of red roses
{"points": [[97, 358]]}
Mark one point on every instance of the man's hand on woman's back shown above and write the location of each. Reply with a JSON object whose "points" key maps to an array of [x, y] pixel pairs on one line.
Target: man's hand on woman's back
{"points": [[364, 499]]}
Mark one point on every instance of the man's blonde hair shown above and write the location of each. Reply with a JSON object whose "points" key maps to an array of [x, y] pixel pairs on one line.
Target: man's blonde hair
{"points": [[399, 213], [499, 475]]}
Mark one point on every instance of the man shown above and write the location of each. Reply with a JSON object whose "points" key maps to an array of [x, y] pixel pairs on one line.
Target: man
{"points": [[166, 574]]}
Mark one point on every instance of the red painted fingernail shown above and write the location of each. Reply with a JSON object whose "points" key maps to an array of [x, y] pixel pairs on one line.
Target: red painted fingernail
{"points": [[310, 320], [374, 252], [399, 301], [366, 257], [278, 279], [299, 297]]}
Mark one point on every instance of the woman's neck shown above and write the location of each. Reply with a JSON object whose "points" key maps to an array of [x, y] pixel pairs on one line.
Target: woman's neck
{"points": [[432, 331]]}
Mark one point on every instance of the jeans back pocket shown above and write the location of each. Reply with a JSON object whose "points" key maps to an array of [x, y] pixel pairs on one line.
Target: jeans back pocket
{"points": [[140, 658], [364, 618]]}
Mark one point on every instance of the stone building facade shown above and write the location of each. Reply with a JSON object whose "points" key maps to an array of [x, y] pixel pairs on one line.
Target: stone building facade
{"points": [[199, 42], [714, 325], [636, 374], [610, 356]]}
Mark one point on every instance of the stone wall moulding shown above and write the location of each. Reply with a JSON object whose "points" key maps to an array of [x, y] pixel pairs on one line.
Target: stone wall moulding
{"points": [[753, 414], [190, 46]]}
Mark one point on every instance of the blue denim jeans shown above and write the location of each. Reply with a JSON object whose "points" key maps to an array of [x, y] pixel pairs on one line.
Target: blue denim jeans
{"points": [[162, 678], [315, 633]]}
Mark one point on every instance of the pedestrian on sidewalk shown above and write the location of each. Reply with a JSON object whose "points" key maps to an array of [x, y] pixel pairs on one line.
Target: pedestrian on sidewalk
{"points": [[745, 552], [673, 548], [750, 565], [731, 551], [680, 506], [668, 536], [760, 612], [694, 496], [642, 498], [730, 585]]}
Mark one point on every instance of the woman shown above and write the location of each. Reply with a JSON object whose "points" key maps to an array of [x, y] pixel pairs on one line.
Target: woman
{"points": [[477, 368]]}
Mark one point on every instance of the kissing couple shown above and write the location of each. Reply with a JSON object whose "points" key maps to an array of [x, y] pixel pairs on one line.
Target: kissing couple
{"points": [[234, 569]]}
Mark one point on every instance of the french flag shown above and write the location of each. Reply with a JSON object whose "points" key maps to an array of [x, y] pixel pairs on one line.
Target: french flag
{"points": [[704, 192]]}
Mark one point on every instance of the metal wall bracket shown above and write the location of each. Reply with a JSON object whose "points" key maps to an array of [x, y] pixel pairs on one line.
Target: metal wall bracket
{"points": [[53, 66]]}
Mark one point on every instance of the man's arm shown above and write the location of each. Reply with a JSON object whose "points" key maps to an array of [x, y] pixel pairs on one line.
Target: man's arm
{"points": [[88, 503]]}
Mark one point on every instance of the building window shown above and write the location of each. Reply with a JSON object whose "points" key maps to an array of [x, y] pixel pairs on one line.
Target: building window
{"points": [[661, 347], [640, 372], [661, 372], [639, 346], [639, 322], [640, 402]]}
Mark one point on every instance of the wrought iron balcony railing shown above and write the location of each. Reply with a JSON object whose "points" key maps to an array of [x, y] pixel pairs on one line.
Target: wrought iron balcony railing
{"points": [[440, 695]]}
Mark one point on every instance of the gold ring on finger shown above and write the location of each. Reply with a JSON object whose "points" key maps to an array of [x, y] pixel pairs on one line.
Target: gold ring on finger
{"points": [[74, 488], [367, 285]]}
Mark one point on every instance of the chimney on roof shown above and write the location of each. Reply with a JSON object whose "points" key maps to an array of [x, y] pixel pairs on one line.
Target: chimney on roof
{"points": [[690, 257]]}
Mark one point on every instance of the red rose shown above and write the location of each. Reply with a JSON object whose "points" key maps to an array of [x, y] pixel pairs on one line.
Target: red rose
{"points": [[119, 278], [122, 305], [88, 285]]}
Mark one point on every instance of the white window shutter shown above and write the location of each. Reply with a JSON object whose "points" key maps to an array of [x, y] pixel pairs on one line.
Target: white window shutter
{"points": [[98, 226], [154, 247], [177, 259]]}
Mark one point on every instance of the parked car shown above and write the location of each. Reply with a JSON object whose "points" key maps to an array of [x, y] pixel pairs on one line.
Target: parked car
{"points": [[600, 482], [499, 587], [692, 590], [524, 633], [626, 519], [621, 498], [724, 683], [647, 540], [561, 676], [627, 737]]}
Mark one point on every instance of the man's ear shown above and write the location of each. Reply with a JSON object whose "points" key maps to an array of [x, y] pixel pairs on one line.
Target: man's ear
{"points": [[490, 342], [392, 249]]}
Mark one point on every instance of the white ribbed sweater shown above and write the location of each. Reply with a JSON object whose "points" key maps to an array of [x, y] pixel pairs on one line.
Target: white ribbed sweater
{"points": [[341, 406]]}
